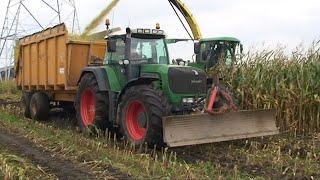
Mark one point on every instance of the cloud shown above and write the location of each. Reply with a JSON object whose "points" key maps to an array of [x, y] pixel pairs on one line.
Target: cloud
{"points": [[272, 21]]}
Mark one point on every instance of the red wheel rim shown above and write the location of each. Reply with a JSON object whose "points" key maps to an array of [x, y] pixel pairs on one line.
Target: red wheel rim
{"points": [[134, 111], [87, 107]]}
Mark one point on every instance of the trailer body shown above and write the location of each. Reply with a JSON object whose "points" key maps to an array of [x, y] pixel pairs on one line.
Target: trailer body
{"points": [[52, 61]]}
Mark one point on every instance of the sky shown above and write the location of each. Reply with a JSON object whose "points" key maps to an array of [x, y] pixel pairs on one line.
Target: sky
{"points": [[254, 22]]}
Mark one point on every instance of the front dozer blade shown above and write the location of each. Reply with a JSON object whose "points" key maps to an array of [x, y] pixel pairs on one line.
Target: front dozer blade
{"points": [[185, 130]]}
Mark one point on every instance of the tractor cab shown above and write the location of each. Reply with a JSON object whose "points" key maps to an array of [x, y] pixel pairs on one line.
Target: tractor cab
{"points": [[138, 46], [134, 48]]}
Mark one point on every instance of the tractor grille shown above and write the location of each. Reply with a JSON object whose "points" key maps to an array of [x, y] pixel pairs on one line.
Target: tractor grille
{"points": [[187, 80]]}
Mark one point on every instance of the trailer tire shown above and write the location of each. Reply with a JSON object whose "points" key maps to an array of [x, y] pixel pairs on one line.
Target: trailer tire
{"points": [[25, 103], [92, 105], [140, 113], [39, 106]]}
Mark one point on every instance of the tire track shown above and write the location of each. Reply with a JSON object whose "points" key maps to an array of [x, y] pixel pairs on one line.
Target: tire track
{"points": [[63, 169]]}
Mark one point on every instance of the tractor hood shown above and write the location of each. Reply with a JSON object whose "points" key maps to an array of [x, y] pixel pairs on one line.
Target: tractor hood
{"points": [[179, 81]]}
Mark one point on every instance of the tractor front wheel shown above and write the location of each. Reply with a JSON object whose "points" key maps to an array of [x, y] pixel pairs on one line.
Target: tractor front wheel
{"points": [[140, 112], [91, 105]]}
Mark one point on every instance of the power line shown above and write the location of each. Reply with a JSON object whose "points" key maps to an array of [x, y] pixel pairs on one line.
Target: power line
{"points": [[19, 22]]}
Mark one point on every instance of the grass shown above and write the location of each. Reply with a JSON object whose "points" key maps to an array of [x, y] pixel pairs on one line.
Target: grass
{"points": [[103, 152], [13, 166], [8, 90], [282, 156]]}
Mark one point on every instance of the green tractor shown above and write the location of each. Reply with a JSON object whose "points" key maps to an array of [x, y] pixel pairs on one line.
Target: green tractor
{"points": [[148, 100]]}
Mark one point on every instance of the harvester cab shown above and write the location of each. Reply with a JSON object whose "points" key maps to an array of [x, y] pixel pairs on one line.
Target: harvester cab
{"points": [[211, 51]]}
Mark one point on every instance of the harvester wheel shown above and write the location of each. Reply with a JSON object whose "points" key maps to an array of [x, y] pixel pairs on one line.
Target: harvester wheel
{"points": [[91, 105], [25, 102], [141, 110], [39, 106]]}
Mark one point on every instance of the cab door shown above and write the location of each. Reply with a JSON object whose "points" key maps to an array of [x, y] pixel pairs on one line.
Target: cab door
{"points": [[113, 60]]}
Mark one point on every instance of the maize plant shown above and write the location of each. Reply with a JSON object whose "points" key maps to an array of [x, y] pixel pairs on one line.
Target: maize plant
{"points": [[289, 84]]}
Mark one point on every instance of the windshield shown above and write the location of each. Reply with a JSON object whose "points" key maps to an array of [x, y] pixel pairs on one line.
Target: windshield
{"points": [[154, 51], [219, 52]]}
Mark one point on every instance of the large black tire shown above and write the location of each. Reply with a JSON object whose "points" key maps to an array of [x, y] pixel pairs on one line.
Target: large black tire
{"points": [[144, 106], [39, 106], [25, 103], [88, 100]]}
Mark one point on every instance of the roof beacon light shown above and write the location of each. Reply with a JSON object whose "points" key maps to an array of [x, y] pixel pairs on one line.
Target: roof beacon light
{"points": [[157, 26], [107, 23]]}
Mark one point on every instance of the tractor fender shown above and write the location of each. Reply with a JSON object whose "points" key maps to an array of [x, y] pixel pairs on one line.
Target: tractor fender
{"points": [[101, 75], [146, 78]]}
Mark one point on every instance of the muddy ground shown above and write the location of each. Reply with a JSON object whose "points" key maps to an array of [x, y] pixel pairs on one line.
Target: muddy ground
{"points": [[62, 168], [225, 155], [56, 164], [17, 144]]}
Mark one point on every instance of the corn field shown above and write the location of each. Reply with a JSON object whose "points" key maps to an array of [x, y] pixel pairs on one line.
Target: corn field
{"points": [[289, 84]]}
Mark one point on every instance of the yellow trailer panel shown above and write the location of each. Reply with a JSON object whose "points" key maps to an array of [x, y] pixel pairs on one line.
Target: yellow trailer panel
{"points": [[50, 60]]}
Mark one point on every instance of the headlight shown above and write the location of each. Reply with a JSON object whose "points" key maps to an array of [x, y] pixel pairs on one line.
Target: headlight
{"points": [[188, 100], [147, 31], [140, 31]]}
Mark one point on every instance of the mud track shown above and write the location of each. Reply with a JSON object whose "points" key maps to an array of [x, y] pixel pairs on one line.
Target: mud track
{"points": [[63, 169]]}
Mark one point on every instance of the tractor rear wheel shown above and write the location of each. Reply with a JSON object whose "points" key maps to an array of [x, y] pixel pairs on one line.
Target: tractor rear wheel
{"points": [[91, 105], [39, 106], [140, 112]]}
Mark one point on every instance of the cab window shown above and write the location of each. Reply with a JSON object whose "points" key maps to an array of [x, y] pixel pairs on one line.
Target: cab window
{"points": [[152, 51], [114, 57]]}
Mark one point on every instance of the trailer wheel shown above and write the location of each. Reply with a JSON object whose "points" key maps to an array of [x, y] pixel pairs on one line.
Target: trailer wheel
{"points": [[91, 105], [141, 110], [25, 103], [39, 106]]}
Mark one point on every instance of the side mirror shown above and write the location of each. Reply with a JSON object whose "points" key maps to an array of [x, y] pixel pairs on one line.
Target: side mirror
{"points": [[197, 48], [111, 44]]}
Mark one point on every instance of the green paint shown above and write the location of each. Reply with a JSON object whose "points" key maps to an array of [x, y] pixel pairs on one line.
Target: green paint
{"points": [[115, 82], [231, 39], [162, 71]]}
